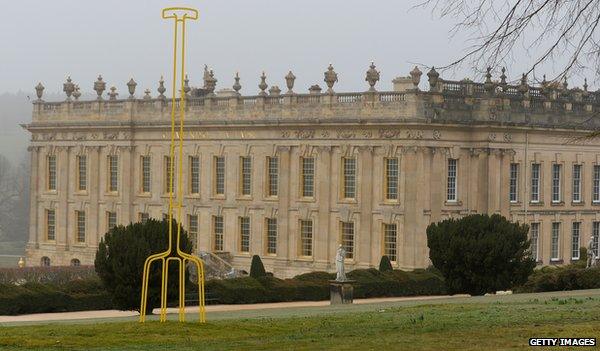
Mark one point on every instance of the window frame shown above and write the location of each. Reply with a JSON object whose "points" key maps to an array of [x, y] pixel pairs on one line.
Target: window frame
{"points": [[272, 185], [245, 176], [389, 246], [556, 183], [48, 211], [271, 228], [575, 246], [452, 197], [350, 249], [555, 242], [535, 234], [387, 191], [245, 234], [194, 173], [81, 173], [218, 233], [113, 173], [219, 170], [146, 174], [306, 247], [513, 191], [307, 179], [80, 226], [577, 183], [536, 176], [51, 171]]}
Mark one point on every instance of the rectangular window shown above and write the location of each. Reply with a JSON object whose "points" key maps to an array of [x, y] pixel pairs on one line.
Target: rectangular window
{"points": [[535, 182], [144, 217], [219, 175], [555, 244], [452, 172], [273, 176], [52, 172], [194, 175], [595, 236], [80, 226], [169, 184], [348, 239], [246, 175], [193, 230], [113, 173], [596, 185], [218, 232], [390, 241], [111, 220], [514, 183], [146, 174], [556, 173], [244, 234], [391, 178], [81, 173], [308, 176], [272, 236], [576, 183], [575, 240], [50, 225], [306, 238], [349, 177], [535, 238]]}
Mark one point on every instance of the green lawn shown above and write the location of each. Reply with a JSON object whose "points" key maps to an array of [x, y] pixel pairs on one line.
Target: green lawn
{"points": [[485, 323]]}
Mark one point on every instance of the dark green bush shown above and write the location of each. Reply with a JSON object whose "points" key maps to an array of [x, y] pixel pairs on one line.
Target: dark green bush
{"points": [[571, 277], [120, 262], [257, 269], [77, 295], [478, 254], [316, 276], [385, 265]]}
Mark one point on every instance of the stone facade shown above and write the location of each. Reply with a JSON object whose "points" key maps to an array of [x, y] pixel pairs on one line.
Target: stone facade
{"points": [[381, 167]]}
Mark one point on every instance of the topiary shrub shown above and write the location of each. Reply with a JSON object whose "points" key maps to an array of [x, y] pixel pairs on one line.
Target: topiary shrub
{"points": [[385, 265], [479, 254], [257, 269], [120, 262]]}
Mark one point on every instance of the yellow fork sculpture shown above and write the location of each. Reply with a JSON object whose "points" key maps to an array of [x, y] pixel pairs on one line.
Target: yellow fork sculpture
{"points": [[179, 15]]}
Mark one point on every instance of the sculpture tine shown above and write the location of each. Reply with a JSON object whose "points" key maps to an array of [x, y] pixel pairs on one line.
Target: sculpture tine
{"points": [[180, 15]]}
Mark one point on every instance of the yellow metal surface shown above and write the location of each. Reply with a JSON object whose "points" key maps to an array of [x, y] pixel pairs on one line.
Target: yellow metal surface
{"points": [[180, 15]]}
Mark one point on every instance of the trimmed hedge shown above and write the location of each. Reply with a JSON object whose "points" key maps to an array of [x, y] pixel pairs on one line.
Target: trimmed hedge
{"points": [[314, 286], [53, 275], [89, 294], [77, 295], [571, 277]]}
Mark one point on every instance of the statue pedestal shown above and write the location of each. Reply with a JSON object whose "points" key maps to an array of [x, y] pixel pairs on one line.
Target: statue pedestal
{"points": [[341, 292]]}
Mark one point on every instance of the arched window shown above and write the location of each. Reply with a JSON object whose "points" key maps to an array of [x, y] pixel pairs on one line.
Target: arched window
{"points": [[75, 262], [45, 262]]}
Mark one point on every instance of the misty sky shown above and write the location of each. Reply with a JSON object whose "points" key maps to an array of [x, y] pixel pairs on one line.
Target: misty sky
{"points": [[48, 40]]}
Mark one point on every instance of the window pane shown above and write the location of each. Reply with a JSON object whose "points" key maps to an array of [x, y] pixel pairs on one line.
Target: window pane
{"points": [[218, 232], [595, 237], [306, 235], [596, 185], [348, 238], [195, 175], [169, 185], [535, 182], [50, 225], [349, 177], [146, 174], [272, 236], [244, 234], [308, 176], [273, 178], [389, 241], [575, 240], [556, 172], [391, 179], [113, 170], [82, 172], [51, 172], [80, 226], [576, 183], [111, 220], [193, 230], [451, 195], [246, 176], [220, 175], [514, 181], [554, 248], [535, 234]]}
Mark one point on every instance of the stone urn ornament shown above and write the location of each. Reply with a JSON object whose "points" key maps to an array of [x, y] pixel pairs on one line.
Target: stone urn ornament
{"points": [[161, 89], [415, 76], [69, 88], [263, 84], [290, 78], [131, 87], [112, 95], [99, 87], [236, 85], [76, 93], [39, 91], [372, 77], [330, 79]]}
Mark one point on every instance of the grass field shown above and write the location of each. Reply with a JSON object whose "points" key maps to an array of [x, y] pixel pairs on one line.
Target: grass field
{"points": [[485, 323]]}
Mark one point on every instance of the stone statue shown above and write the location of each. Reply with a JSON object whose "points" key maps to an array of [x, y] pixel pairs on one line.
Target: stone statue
{"points": [[591, 254], [339, 264]]}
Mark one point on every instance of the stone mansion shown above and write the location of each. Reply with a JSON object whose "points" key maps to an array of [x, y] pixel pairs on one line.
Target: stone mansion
{"points": [[290, 176]]}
